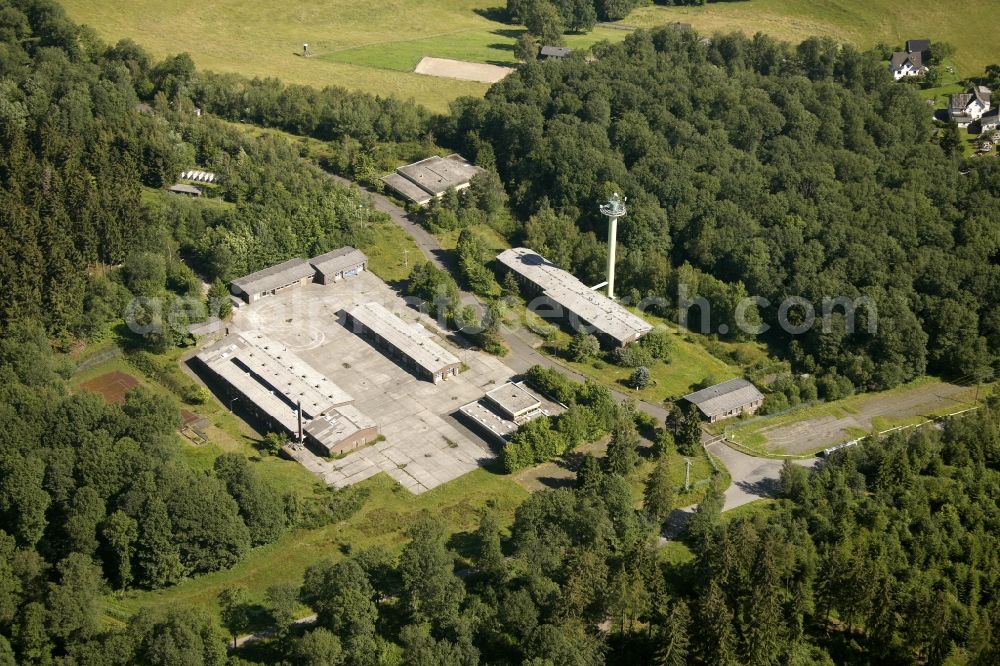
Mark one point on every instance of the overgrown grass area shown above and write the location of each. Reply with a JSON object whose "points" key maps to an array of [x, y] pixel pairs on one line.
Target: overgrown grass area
{"points": [[382, 522], [863, 23], [391, 251], [494, 240], [690, 361]]}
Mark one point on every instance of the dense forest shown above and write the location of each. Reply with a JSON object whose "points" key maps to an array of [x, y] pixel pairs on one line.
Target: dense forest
{"points": [[87, 132], [888, 553], [751, 167], [757, 168]]}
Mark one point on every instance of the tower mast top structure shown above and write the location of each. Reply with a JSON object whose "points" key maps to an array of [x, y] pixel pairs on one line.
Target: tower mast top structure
{"points": [[613, 209]]}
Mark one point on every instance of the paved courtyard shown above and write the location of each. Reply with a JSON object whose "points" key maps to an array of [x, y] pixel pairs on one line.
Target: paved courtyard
{"points": [[424, 446]]}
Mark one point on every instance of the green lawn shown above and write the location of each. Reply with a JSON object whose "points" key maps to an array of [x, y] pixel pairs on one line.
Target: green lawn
{"points": [[494, 46], [861, 22]]}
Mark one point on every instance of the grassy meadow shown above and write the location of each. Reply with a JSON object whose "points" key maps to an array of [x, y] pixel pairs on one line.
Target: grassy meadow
{"points": [[371, 47], [863, 23], [374, 47]]}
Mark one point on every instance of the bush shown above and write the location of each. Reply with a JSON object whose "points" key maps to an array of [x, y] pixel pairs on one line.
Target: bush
{"points": [[632, 356], [658, 344], [583, 347], [640, 378]]}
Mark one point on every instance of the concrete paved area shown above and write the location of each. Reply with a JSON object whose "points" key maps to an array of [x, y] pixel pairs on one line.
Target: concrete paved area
{"points": [[424, 446]]}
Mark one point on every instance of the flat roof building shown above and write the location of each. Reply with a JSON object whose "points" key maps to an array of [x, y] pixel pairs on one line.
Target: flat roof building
{"points": [[514, 401], [292, 273], [431, 177], [728, 399], [503, 410], [409, 343], [189, 190], [339, 264], [581, 306], [548, 52], [281, 389]]}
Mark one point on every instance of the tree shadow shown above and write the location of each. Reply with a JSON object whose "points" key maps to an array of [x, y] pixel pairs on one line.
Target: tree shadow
{"points": [[502, 46], [509, 33], [498, 14], [555, 483], [761, 488], [465, 544]]}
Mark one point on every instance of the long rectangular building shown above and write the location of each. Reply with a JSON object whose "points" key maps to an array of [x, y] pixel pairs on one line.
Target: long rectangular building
{"points": [[292, 273], [580, 306], [409, 343], [287, 393]]}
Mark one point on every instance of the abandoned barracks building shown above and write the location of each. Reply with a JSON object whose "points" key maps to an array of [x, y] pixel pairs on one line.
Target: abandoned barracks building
{"points": [[410, 345], [431, 177], [728, 399], [324, 269], [503, 410], [581, 306], [287, 394]]}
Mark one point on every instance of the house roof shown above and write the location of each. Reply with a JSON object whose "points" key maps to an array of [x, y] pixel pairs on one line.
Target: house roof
{"points": [[185, 189], [900, 58], [339, 260], [413, 340], [960, 101], [514, 399], [592, 307], [917, 45], [275, 276], [555, 51], [727, 396]]}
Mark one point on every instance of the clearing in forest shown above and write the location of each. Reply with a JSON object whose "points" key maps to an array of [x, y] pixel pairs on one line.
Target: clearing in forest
{"points": [[816, 427]]}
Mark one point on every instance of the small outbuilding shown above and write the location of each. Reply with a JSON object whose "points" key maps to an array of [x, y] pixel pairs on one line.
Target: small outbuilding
{"points": [[338, 264], [188, 190], [728, 399], [554, 52]]}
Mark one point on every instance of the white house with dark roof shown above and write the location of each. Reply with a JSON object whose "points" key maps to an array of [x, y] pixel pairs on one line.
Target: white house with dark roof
{"points": [[904, 64], [990, 121], [966, 108], [728, 399]]}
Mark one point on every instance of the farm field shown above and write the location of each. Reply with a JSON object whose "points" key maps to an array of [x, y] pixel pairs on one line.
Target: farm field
{"points": [[815, 427], [360, 46], [374, 48], [863, 23]]}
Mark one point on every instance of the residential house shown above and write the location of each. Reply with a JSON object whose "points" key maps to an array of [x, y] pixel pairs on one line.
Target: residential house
{"points": [[905, 64], [966, 108]]}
